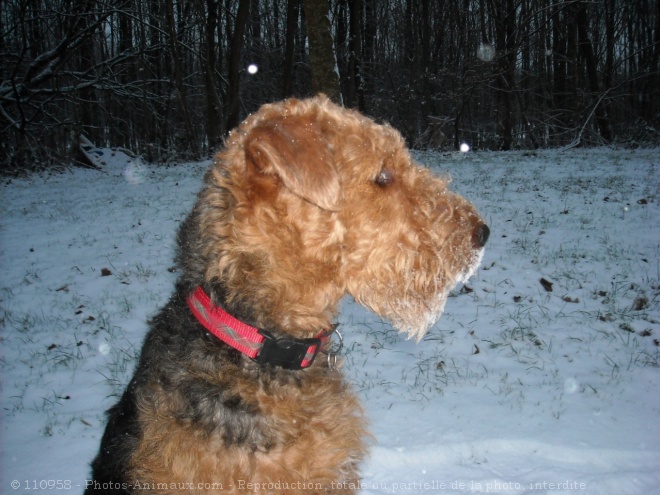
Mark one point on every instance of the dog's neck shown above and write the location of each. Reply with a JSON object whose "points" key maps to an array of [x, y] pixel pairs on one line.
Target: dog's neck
{"points": [[257, 344]]}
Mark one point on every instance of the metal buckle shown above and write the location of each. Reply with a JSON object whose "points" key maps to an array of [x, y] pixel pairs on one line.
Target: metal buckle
{"points": [[286, 352]]}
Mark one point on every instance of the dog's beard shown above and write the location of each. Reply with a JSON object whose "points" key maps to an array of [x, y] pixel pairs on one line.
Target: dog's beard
{"points": [[477, 256], [414, 314]]}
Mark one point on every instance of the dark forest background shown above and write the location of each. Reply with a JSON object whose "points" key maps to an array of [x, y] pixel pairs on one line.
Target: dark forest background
{"points": [[168, 79]]}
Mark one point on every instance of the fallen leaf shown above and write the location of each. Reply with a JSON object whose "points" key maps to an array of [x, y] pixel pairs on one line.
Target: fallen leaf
{"points": [[547, 285]]}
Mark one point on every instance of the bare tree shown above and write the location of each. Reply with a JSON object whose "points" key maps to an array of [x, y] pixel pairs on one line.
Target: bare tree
{"points": [[213, 109], [292, 16], [177, 78], [233, 92], [325, 77], [354, 89], [592, 70]]}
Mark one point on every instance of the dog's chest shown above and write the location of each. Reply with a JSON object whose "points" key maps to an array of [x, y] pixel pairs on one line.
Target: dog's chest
{"points": [[312, 432]]}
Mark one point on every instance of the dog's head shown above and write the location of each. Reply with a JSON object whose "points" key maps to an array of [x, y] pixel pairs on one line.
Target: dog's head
{"points": [[310, 201]]}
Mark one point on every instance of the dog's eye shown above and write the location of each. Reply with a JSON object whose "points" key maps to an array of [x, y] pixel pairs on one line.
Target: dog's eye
{"points": [[384, 178]]}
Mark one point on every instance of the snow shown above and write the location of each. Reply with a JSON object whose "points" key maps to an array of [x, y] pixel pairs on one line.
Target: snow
{"points": [[515, 389]]}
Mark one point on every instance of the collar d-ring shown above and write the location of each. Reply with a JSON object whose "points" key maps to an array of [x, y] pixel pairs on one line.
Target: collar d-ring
{"points": [[335, 350]]}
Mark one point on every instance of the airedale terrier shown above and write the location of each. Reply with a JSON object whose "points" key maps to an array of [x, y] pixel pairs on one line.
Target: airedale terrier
{"points": [[307, 203]]}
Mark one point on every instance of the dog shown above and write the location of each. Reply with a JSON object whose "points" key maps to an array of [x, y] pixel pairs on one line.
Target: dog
{"points": [[308, 202]]}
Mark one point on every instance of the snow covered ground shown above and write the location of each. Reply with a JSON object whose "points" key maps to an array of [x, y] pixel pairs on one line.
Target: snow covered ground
{"points": [[515, 390]]}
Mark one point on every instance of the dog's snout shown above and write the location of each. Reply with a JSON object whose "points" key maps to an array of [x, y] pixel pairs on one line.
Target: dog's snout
{"points": [[480, 236]]}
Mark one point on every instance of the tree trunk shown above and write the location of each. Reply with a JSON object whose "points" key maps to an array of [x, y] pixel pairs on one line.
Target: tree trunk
{"points": [[292, 15], [325, 78], [592, 71], [88, 104], [504, 13], [233, 93], [355, 55], [651, 90], [178, 80], [560, 70], [213, 108]]}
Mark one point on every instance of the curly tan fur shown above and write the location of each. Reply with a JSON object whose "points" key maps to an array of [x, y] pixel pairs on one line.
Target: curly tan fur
{"points": [[308, 202]]}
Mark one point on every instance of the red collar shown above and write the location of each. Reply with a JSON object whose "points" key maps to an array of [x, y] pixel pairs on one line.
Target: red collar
{"points": [[259, 345]]}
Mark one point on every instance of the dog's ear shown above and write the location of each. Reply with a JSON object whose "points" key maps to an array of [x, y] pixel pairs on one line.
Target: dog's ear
{"points": [[295, 150]]}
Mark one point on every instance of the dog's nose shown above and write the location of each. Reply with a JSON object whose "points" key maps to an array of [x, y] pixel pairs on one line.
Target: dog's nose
{"points": [[480, 236]]}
